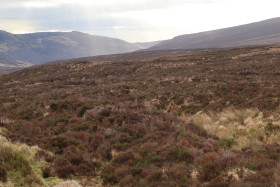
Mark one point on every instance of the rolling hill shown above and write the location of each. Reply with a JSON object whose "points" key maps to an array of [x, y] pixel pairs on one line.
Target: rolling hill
{"points": [[50, 46], [172, 118], [259, 33]]}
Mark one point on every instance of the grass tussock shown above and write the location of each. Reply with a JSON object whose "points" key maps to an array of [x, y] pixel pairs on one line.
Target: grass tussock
{"points": [[240, 129], [22, 165]]}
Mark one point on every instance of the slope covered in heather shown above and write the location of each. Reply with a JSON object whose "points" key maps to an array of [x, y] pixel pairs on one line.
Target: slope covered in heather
{"points": [[208, 117]]}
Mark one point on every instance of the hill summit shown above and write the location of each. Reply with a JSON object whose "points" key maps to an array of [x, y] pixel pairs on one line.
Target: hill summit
{"points": [[258, 33]]}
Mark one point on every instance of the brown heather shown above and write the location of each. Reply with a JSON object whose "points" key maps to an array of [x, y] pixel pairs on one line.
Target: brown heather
{"points": [[199, 118]]}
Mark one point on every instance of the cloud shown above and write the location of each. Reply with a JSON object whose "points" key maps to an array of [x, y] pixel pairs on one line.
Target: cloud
{"points": [[115, 5], [132, 20], [17, 26]]}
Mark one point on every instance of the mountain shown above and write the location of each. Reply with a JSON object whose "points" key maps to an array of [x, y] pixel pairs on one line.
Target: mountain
{"points": [[50, 46], [259, 33]]}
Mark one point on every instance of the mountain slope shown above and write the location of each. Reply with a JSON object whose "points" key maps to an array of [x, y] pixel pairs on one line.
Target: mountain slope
{"points": [[42, 47], [259, 33], [203, 118]]}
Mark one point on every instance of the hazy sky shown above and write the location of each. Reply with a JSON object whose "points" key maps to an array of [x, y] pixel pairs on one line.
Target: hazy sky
{"points": [[132, 20]]}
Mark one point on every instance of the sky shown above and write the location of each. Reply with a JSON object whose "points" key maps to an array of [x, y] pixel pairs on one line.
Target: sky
{"points": [[132, 20]]}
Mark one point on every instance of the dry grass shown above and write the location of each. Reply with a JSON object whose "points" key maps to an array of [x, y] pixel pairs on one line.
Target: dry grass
{"points": [[248, 127], [68, 184], [27, 154]]}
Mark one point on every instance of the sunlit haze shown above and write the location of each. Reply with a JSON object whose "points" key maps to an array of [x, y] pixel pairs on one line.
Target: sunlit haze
{"points": [[132, 20]]}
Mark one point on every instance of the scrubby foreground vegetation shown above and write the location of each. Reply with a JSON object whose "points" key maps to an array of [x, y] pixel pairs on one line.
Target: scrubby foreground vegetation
{"points": [[205, 118]]}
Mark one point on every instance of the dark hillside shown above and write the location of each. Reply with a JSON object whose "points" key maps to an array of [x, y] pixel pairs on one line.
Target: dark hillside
{"points": [[36, 48]]}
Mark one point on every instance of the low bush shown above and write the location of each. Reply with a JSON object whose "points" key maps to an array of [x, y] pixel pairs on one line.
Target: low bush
{"points": [[62, 141], [63, 167], [123, 157], [209, 166], [227, 143], [47, 172], [127, 181], [108, 175], [180, 154], [83, 110], [3, 174], [154, 175]]}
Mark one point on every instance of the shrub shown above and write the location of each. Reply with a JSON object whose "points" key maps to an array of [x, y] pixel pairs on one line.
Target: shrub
{"points": [[196, 129], [270, 127], [62, 141], [62, 167], [3, 174], [209, 171], [54, 122], [83, 110], [179, 154], [127, 181], [160, 106], [47, 172], [63, 120], [108, 175], [80, 126], [141, 129], [41, 154], [122, 171], [135, 171], [179, 101], [53, 107], [105, 151], [209, 166], [105, 112], [26, 114], [227, 143], [123, 157], [97, 139], [154, 175]]}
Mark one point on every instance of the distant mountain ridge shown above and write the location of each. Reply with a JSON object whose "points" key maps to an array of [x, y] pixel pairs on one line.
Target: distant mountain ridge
{"points": [[36, 48], [145, 45], [259, 33], [41, 47]]}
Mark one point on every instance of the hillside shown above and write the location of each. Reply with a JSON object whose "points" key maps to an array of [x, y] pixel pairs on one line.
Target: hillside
{"points": [[191, 118], [43, 47], [10, 65], [259, 33], [145, 45]]}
